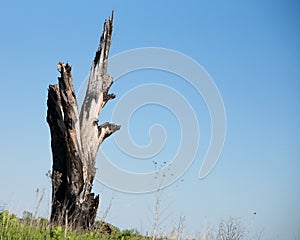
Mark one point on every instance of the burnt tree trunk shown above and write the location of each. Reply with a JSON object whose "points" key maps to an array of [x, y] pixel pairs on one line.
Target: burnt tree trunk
{"points": [[75, 138]]}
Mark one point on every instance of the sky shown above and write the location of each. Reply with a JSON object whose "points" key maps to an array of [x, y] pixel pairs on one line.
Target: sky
{"points": [[249, 48]]}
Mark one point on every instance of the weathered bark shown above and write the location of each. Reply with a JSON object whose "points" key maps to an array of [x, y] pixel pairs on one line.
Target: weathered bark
{"points": [[75, 139]]}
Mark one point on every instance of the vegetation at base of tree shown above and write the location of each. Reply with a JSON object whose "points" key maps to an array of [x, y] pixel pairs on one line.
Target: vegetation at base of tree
{"points": [[12, 227], [29, 227]]}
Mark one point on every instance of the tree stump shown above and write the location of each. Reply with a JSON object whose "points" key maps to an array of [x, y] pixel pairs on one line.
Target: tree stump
{"points": [[75, 138]]}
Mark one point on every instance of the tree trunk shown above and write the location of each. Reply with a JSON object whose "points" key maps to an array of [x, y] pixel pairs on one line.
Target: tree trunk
{"points": [[75, 138]]}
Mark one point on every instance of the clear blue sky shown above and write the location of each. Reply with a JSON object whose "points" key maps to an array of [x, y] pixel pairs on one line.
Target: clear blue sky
{"points": [[251, 50]]}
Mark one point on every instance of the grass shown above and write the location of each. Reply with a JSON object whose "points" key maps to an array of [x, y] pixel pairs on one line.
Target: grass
{"points": [[12, 228], [28, 227]]}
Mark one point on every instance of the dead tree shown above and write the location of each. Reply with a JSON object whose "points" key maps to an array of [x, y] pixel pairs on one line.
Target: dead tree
{"points": [[75, 138], [230, 230]]}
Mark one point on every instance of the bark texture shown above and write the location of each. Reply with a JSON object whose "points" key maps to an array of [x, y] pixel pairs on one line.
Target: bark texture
{"points": [[75, 138]]}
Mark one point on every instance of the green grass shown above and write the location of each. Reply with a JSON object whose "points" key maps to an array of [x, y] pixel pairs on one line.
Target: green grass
{"points": [[12, 228]]}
